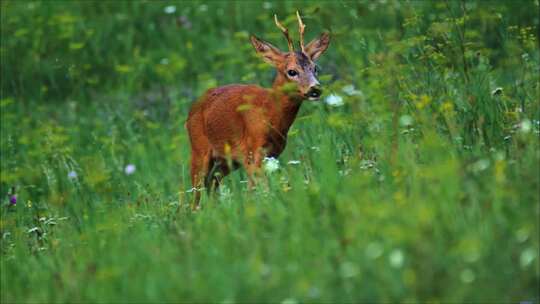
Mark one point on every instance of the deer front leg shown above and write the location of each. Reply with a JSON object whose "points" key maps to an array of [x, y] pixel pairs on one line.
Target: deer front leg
{"points": [[257, 127], [252, 164]]}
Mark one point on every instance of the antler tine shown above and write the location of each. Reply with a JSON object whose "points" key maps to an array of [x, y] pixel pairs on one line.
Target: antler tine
{"points": [[301, 27], [285, 32]]}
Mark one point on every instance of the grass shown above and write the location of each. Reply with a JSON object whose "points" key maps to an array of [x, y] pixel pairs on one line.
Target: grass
{"points": [[421, 187]]}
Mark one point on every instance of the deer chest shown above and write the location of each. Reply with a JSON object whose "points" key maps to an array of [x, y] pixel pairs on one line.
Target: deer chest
{"points": [[275, 144]]}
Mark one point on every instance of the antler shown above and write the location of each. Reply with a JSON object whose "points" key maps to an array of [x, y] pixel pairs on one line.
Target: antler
{"points": [[285, 32], [301, 27]]}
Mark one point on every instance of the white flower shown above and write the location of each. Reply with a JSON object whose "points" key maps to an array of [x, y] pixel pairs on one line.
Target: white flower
{"points": [[164, 61], [525, 126], [349, 270], [314, 292], [351, 90], [203, 7], [334, 100], [271, 164], [224, 192], [344, 172], [527, 257], [170, 9], [396, 258], [467, 276], [405, 120], [192, 190], [374, 250], [72, 174], [294, 162], [267, 5], [367, 164], [497, 91], [130, 169], [480, 165], [33, 229]]}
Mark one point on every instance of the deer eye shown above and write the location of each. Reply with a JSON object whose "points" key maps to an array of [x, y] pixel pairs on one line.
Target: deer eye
{"points": [[292, 73]]}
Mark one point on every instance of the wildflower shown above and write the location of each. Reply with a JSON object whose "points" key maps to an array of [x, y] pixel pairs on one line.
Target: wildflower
{"points": [[164, 61], [525, 126], [203, 8], [349, 270], [480, 165], [271, 164], [314, 292], [130, 169], [72, 174], [224, 192], [184, 22], [423, 102], [367, 164], [294, 162], [396, 258], [344, 172], [13, 199], [467, 276], [374, 250], [170, 9], [334, 100], [192, 190], [267, 5], [351, 90], [289, 301], [405, 120], [265, 270], [123, 68], [527, 257], [497, 91]]}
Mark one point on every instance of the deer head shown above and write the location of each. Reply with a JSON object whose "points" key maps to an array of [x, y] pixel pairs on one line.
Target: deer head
{"points": [[295, 66]]}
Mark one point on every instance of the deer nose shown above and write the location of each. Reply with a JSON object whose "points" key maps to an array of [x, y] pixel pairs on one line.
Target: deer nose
{"points": [[314, 92]]}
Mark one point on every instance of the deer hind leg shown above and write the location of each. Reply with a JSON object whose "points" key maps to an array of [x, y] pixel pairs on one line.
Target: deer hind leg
{"points": [[213, 177], [199, 171], [218, 169]]}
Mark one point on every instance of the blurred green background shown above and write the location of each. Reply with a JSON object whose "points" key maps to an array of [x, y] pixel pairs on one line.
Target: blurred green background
{"points": [[416, 178]]}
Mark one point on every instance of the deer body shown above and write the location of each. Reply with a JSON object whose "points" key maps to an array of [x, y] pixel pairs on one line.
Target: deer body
{"points": [[238, 125]]}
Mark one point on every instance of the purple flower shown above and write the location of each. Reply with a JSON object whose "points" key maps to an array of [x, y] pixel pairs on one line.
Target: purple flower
{"points": [[72, 175], [13, 199], [183, 21], [129, 169]]}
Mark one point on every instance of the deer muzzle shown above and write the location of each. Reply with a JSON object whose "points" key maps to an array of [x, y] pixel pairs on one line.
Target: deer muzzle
{"points": [[314, 93]]}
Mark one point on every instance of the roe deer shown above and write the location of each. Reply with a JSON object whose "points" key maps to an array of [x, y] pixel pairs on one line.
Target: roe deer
{"points": [[240, 124]]}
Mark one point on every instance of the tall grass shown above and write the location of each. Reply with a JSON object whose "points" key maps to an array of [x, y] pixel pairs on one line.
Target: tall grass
{"points": [[423, 186]]}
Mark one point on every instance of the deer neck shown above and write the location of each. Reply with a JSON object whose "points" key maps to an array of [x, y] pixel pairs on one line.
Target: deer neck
{"points": [[288, 108]]}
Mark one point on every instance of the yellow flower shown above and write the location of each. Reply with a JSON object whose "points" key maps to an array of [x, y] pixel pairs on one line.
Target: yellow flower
{"points": [[423, 102], [447, 107]]}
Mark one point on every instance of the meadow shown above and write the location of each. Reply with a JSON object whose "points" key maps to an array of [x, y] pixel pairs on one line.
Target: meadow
{"points": [[414, 179]]}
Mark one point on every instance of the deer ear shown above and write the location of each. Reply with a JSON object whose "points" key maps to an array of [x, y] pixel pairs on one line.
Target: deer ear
{"points": [[267, 51], [316, 47]]}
